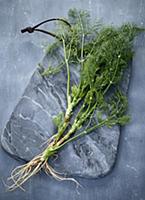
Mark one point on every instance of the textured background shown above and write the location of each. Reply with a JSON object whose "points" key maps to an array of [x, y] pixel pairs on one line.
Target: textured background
{"points": [[19, 55]]}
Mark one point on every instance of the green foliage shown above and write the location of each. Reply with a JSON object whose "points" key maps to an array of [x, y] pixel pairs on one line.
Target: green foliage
{"points": [[74, 90], [103, 54], [52, 70], [52, 48], [58, 120], [99, 116], [123, 120]]}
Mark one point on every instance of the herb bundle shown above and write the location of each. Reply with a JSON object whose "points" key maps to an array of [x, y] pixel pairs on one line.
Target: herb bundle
{"points": [[103, 54]]}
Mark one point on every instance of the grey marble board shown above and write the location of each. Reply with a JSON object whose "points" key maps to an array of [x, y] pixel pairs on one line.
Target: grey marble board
{"points": [[19, 55], [31, 124]]}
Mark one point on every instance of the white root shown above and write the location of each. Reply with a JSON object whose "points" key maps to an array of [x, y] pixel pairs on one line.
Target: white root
{"points": [[22, 173]]}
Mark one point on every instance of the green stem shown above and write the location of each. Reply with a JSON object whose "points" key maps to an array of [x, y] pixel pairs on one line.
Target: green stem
{"points": [[69, 104], [49, 151], [83, 133], [70, 132], [68, 74], [111, 81], [67, 118], [77, 123], [68, 114], [82, 50], [61, 131]]}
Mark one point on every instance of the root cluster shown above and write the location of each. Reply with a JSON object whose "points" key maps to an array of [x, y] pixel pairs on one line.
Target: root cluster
{"points": [[22, 173]]}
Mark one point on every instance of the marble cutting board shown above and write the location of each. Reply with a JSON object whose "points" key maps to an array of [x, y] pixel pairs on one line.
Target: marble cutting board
{"points": [[31, 124]]}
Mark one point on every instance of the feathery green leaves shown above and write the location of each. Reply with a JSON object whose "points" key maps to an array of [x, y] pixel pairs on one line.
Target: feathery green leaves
{"points": [[103, 53]]}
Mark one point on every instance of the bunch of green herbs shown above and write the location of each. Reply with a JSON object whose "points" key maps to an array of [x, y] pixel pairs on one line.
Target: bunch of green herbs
{"points": [[103, 54]]}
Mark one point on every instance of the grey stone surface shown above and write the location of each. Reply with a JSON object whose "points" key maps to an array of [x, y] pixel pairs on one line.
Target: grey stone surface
{"points": [[31, 124], [127, 179]]}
